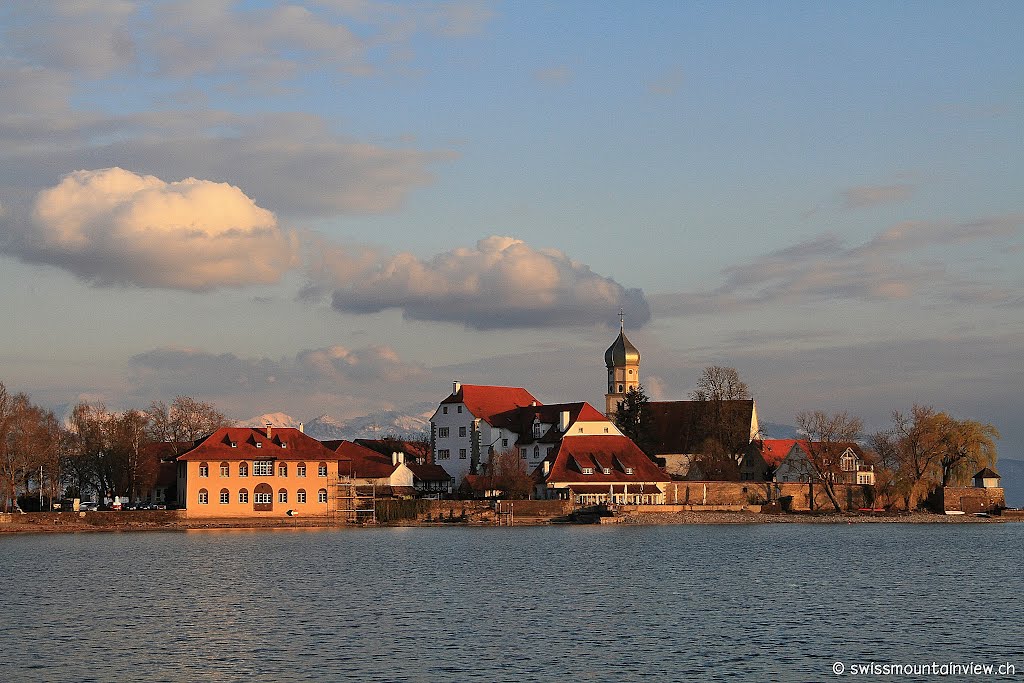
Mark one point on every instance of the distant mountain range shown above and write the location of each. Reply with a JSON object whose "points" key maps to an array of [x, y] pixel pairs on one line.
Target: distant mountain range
{"points": [[410, 424]]}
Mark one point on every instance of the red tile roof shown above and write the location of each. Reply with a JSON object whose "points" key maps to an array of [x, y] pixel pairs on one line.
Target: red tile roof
{"points": [[429, 472], [521, 419], [412, 449], [285, 443], [366, 463], [487, 402], [614, 453], [774, 451]]}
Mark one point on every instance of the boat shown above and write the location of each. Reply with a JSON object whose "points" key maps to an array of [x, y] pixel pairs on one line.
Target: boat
{"points": [[954, 512]]}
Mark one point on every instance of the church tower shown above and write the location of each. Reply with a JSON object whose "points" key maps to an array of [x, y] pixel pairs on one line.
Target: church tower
{"points": [[623, 362]]}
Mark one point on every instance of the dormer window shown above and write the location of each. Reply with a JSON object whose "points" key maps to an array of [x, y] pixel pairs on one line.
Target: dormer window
{"points": [[536, 430], [588, 470], [234, 444], [629, 470], [606, 470], [284, 445], [259, 445]]}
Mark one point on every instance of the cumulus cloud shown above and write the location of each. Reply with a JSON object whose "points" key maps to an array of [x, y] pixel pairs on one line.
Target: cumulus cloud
{"points": [[865, 196], [333, 369], [501, 282], [115, 227], [825, 267]]}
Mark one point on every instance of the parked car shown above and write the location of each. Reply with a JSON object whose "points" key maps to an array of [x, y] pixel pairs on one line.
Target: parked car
{"points": [[88, 506]]}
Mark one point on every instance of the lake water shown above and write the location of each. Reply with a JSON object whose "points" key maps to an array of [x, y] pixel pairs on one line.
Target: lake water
{"points": [[672, 603]]}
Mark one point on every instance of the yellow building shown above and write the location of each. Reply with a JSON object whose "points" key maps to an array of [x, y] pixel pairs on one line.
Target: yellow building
{"points": [[249, 472]]}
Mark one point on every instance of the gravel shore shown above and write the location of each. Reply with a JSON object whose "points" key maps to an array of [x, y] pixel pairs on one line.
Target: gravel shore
{"points": [[714, 517]]}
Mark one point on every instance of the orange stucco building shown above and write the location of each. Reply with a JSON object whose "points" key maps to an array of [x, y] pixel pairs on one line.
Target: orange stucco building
{"points": [[250, 472]]}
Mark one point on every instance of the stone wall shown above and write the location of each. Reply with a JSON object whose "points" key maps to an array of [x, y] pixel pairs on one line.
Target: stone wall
{"points": [[801, 497], [969, 499]]}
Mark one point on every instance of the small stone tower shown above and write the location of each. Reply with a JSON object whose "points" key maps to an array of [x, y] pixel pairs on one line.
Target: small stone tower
{"points": [[623, 362]]}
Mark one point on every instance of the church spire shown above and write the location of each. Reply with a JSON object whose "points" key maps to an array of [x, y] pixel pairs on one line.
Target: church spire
{"points": [[622, 360]]}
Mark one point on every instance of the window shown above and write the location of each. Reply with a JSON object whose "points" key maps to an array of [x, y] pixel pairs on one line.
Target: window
{"points": [[504, 443], [606, 470], [462, 454], [522, 452], [536, 430], [284, 444], [442, 432], [204, 496], [225, 470], [225, 497], [444, 410], [321, 496], [459, 409], [536, 452], [605, 430], [581, 430], [234, 444], [204, 469], [588, 470], [462, 431], [259, 444], [243, 496], [300, 470], [282, 469], [620, 388], [263, 468], [321, 470], [443, 454], [300, 496], [262, 498], [243, 469], [282, 496], [629, 470]]}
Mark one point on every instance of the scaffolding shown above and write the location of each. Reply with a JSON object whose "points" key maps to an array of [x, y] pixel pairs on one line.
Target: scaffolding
{"points": [[347, 504]]}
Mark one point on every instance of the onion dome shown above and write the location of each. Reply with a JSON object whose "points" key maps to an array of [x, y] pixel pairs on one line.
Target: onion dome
{"points": [[621, 352]]}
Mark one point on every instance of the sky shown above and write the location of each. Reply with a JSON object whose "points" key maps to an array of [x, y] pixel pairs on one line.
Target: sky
{"points": [[342, 206]]}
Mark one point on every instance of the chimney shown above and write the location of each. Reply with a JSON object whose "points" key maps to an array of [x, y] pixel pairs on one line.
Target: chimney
{"points": [[401, 457], [394, 459], [302, 428], [563, 421], [270, 430], [456, 387], [533, 404]]}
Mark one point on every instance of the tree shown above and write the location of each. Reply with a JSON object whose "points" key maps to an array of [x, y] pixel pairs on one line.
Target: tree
{"points": [[828, 436], [185, 420], [723, 395], [507, 473], [29, 439], [631, 418], [967, 446]]}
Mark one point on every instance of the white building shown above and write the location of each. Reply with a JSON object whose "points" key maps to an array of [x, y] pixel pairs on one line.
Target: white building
{"points": [[477, 421]]}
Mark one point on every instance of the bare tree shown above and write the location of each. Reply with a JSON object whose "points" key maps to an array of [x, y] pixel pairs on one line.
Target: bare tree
{"points": [[185, 420], [828, 436], [507, 472], [29, 439], [723, 395], [720, 384]]}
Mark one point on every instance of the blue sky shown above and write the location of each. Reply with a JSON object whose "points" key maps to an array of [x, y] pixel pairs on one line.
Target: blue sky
{"points": [[390, 196]]}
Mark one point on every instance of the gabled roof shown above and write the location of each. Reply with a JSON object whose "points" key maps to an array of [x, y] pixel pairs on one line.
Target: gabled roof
{"points": [[774, 451], [487, 402], [521, 420], [412, 449], [252, 443], [614, 453], [681, 427], [987, 473], [366, 463], [429, 472]]}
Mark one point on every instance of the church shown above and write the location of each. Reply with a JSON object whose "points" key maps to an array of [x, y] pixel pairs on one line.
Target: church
{"points": [[679, 433]]}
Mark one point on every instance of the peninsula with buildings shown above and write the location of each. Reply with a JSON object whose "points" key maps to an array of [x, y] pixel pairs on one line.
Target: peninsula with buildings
{"points": [[493, 449]]}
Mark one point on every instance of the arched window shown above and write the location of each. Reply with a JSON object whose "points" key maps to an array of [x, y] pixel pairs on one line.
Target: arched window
{"points": [[321, 470], [536, 452], [204, 469], [263, 498], [300, 496], [204, 496], [282, 496], [243, 469], [225, 497], [243, 496], [321, 496], [282, 469], [300, 469], [225, 470]]}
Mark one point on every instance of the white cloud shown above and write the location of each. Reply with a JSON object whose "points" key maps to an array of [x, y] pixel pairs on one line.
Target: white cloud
{"points": [[502, 282], [112, 226]]}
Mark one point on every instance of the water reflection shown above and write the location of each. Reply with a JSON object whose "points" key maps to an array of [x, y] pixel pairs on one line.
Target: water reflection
{"points": [[775, 602]]}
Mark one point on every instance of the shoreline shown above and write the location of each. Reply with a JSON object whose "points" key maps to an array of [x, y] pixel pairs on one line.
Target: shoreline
{"points": [[26, 525]]}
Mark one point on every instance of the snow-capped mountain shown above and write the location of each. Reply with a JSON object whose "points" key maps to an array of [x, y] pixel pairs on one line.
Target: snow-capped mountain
{"points": [[373, 426]]}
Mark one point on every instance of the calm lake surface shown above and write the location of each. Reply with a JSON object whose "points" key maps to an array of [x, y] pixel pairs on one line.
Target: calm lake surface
{"points": [[672, 603]]}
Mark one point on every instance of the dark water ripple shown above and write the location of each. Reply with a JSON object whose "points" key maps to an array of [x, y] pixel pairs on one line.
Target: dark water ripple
{"points": [[716, 603]]}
